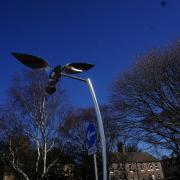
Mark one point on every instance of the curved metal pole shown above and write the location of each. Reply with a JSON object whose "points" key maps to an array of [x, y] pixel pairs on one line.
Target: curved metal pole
{"points": [[101, 128], [99, 120]]}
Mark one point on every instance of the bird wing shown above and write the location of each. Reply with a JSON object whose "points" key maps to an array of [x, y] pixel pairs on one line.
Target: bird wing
{"points": [[74, 68], [31, 61]]}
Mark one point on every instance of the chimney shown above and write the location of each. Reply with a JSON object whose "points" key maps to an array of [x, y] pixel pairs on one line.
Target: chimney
{"points": [[121, 147]]}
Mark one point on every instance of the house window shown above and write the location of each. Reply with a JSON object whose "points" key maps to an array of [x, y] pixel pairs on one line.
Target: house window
{"points": [[152, 177], [156, 166], [141, 167], [130, 168], [150, 167]]}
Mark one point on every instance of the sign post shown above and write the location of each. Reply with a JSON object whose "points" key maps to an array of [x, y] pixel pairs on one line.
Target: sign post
{"points": [[91, 145], [95, 166]]}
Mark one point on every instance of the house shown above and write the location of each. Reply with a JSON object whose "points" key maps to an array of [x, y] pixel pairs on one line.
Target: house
{"points": [[171, 168], [135, 166], [10, 177]]}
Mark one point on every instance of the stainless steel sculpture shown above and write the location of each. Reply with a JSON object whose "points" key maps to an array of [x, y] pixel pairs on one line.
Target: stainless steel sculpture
{"points": [[55, 73]]}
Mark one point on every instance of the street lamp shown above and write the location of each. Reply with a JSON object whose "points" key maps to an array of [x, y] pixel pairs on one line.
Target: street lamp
{"points": [[67, 71]]}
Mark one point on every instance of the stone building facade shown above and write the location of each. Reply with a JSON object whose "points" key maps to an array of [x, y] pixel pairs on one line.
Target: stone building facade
{"points": [[137, 166]]}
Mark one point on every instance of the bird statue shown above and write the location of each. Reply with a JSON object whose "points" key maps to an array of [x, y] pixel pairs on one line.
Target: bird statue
{"points": [[55, 73]]}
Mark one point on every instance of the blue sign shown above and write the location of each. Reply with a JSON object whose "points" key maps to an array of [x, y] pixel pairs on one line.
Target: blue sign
{"points": [[91, 136]]}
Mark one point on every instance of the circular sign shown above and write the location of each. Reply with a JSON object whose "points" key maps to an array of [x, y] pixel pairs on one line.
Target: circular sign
{"points": [[91, 136]]}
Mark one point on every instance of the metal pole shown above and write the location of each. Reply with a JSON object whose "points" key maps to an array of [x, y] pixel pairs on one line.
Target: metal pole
{"points": [[95, 166], [101, 128], [73, 77], [99, 120]]}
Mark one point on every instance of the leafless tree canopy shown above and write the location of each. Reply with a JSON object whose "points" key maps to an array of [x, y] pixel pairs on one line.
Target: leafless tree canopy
{"points": [[145, 101], [31, 121], [74, 127]]}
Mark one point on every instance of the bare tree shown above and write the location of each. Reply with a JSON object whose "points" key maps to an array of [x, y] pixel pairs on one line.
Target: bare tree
{"points": [[145, 100], [39, 117], [73, 131]]}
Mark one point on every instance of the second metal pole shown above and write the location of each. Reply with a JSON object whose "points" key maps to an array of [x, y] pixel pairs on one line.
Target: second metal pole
{"points": [[95, 166]]}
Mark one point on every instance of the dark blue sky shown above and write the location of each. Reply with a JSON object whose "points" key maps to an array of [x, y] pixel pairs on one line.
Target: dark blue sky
{"points": [[108, 33]]}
